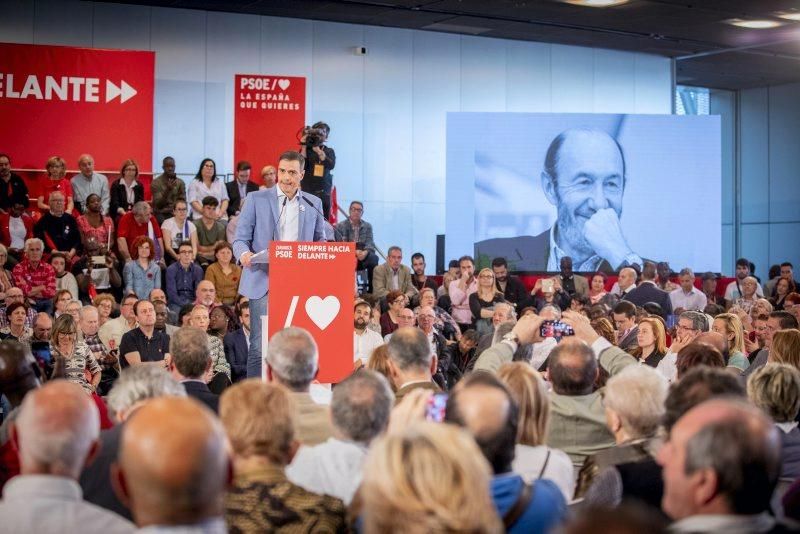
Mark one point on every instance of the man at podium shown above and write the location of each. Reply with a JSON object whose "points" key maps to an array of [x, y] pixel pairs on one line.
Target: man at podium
{"points": [[281, 213]]}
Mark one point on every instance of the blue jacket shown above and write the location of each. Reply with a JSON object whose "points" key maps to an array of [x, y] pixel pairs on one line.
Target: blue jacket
{"points": [[546, 511], [258, 225]]}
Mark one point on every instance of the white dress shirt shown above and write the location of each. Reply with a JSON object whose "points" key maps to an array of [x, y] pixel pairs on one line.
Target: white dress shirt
{"points": [[289, 216], [693, 300], [364, 344], [330, 468]]}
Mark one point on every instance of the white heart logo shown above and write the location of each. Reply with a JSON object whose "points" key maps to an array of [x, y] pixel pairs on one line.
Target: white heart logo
{"points": [[283, 83], [322, 311]]}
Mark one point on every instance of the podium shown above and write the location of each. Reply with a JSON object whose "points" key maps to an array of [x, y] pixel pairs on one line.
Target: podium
{"points": [[312, 286]]}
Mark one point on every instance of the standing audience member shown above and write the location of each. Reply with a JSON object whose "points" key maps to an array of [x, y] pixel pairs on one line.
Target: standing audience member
{"points": [[35, 278], [143, 345], [626, 282], [624, 314], [663, 282], [87, 182], [460, 290], [224, 273], [482, 302], [57, 433], [183, 278], [71, 357], [176, 230], [648, 291], [142, 274], [598, 293], [126, 190], [260, 424], [236, 344], [167, 189], [360, 413], [509, 285], [206, 184], [735, 290], [571, 284], [56, 171], [180, 496], [293, 361], [190, 364]]}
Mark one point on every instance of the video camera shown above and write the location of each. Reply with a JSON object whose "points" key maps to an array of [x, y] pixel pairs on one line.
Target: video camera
{"points": [[313, 136]]}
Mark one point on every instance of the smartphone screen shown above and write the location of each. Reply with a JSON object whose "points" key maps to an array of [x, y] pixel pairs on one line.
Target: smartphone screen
{"points": [[547, 286], [434, 410], [556, 329]]}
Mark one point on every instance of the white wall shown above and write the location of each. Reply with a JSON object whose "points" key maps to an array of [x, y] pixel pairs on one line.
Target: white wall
{"points": [[387, 109]]}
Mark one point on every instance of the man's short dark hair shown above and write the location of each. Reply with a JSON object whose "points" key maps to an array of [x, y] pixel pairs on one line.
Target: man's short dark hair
{"points": [[185, 310], [185, 244], [418, 256], [243, 306], [500, 262], [649, 271], [243, 166], [471, 335], [786, 319], [698, 385], [572, 369], [409, 349], [356, 203], [293, 155], [136, 306], [466, 258], [452, 264], [743, 262], [626, 307], [787, 264], [210, 201], [188, 348], [319, 125], [498, 447]]}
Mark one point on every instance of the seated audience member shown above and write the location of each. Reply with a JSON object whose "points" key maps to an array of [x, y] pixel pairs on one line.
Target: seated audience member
{"points": [[634, 404], [710, 290], [105, 305], [364, 339], [578, 303], [604, 328], [379, 362], [785, 347], [72, 357], [14, 295], [777, 320], [260, 423], [221, 321], [190, 364], [755, 335], [125, 191], [783, 288], [393, 276], [532, 458], [12, 186], [143, 345], [503, 312], [142, 274], [750, 297], [176, 230], [411, 362], [627, 330], [109, 363], [158, 295], [396, 301], [139, 222], [57, 431], [760, 307], [548, 292], [420, 279], [444, 324], [293, 361], [60, 301], [183, 279], [483, 300], [696, 354], [220, 377], [509, 285], [96, 271], [239, 188], [268, 177], [206, 295], [162, 318], [6, 276], [64, 279], [360, 413], [56, 171], [403, 477], [134, 387], [647, 291], [236, 344], [58, 230], [206, 184], [94, 226], [112, 331], [735, 289], [597, 291], [16, 329], [437, 344], [87, 182], [15, 227], [224, 273], [167, 188], [163, 493], [775, 388], [40, 343], [730, 327], [461, 354], [652, 342], [209, 231], [690, 325], [687, 296], [484, 407], [705, 491], [35, 278], [185, 316], [570, 283], [663, 272]]}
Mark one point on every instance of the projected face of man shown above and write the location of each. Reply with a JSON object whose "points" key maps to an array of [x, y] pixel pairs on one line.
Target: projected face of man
{"points": [[589, 178]]}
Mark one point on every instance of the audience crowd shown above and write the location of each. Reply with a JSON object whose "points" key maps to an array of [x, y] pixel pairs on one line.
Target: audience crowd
{"points": [[474, 405]]}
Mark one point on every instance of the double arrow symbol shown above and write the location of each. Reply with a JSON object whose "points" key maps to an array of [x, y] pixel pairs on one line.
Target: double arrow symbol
{"points": [[124, 91]]}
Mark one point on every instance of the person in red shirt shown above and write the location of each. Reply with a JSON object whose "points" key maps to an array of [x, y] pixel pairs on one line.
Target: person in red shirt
{"points": [[15, 227], [56, 172], [135, 223], [36, 278]]}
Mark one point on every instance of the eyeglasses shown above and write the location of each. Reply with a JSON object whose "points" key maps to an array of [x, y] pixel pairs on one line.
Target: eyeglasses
{"points": [[686, 328], [486, 276], [180, 209]]}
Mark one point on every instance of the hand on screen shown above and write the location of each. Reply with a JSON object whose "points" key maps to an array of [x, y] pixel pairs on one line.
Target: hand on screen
{"points": [[603, 232]]}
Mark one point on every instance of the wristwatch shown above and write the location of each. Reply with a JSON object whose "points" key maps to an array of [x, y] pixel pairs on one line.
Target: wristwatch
{"points": [[511, 339]]}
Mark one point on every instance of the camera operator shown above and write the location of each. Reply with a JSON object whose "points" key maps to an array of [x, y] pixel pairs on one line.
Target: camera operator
{"points": [[320, 161]]}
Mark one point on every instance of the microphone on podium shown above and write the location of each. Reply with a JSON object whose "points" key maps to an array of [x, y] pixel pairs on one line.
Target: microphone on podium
{"points": [[336, 232]]}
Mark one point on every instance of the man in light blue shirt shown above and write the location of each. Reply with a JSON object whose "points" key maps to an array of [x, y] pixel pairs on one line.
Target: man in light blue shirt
{"points": [[87, 182]]}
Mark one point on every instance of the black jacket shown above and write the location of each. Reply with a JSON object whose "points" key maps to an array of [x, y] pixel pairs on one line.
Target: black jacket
{"points": [[234, 198], [648, 292], [200, 391], [119, 198], [13, 191]]}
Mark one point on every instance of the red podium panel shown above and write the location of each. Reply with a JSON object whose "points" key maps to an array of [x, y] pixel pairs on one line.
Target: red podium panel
{"points": [[312, 286]]}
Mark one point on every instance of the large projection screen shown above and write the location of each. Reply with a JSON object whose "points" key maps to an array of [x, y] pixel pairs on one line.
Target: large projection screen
{"points": [[659, 176]]}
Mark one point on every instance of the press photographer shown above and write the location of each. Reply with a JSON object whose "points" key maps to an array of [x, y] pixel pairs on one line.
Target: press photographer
{"points": [[320, 161]]}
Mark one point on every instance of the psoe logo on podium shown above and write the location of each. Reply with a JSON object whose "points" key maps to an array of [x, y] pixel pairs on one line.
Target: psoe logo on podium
{"points": [[312, 287]]}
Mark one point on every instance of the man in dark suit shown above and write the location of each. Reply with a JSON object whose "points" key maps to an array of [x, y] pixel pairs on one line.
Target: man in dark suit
{"points": [[236, 344], [648, 291], [190, 363], [627, 329], [412, 363], [240, 188], [584, 178]]}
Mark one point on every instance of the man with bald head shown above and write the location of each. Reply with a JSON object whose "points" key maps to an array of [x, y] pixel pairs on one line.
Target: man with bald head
{"points": [[584, 178], [173, 466], [482, 405], [705, 491], [412, 363], [56, 433]]}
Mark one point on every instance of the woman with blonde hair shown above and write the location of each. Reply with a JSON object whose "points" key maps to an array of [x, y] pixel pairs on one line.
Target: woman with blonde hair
{"points": [[533, 459], [56, 172], [652, 341], [379, 362], [428, 478], [104, 302], [730, 326], [785, 347], [481, 303]]}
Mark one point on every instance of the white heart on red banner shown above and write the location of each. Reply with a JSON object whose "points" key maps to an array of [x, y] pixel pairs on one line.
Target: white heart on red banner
{"points": [[322, 311], [283, 83]]}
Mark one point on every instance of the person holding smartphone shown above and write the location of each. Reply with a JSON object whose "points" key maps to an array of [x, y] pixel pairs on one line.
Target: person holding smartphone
{"points": [[460, 290]]}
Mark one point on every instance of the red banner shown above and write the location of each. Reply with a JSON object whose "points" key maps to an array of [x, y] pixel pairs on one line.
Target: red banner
{"points": [[64, 101], [268, 113], [311, 286]]}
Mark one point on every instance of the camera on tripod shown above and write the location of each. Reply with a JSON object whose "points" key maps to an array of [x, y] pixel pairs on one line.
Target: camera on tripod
{"points": [[313, 136]]}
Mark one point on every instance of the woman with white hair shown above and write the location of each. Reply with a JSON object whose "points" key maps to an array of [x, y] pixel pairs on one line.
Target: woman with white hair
{"points": [[634, 406]]}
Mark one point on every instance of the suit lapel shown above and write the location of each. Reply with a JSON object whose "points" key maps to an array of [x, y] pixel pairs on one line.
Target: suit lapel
{"points": [[301, 219], [273, 206]]}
